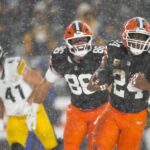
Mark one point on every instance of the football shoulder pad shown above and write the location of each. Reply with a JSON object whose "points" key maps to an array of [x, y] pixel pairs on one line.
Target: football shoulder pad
{"points": [[12, 62], [59, 59], [114, 48], [16, 64], [59, 50], [98, 49], [59, 54], [115, 43]]}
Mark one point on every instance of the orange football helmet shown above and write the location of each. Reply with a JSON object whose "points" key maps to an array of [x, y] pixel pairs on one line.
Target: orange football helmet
{"points": [[78, 37], [136, 35]]}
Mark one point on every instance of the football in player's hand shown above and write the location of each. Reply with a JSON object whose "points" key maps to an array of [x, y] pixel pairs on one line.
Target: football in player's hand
{"points": [[95, 79], [139, 81], [93, 84], [101, 77]]}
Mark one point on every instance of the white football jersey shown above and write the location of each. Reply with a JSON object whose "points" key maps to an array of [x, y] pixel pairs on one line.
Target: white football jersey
{"points": [[14, 91]]}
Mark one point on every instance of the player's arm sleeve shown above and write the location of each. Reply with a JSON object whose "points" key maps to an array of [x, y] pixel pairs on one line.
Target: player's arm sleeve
{"points": [[103, 73], [51, 75]]}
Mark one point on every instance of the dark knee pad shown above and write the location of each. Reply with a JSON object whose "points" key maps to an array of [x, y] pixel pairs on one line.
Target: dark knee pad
{"points": [[17, 146]]}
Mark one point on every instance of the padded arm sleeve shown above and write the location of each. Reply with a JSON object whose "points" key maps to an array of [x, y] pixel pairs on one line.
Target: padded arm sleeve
{"points": [[51, 75]]}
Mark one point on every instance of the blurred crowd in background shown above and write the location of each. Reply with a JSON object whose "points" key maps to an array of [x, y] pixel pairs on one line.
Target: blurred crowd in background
{"points": [[33, 28]]}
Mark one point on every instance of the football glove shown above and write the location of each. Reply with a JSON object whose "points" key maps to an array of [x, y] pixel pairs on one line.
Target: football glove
{"points": [[139, 81], [134, 78], [32, 116], [96, 85]]}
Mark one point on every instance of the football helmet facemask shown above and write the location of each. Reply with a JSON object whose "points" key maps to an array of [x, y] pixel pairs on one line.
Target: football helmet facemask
{"points": [[136, 35], [78, 37]]}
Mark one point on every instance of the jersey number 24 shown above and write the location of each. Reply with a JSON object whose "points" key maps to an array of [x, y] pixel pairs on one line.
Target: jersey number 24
{"points": [[120, 83]]}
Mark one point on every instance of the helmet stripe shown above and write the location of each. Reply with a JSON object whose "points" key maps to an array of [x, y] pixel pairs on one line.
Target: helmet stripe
{"points": [[77, 26], [140, 22], [80, 26], [74, 27]]}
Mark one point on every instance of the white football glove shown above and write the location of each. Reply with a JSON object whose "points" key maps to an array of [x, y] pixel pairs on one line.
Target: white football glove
{"points": [[32, 116], [1, 125], [103, 87], [133, 79]]}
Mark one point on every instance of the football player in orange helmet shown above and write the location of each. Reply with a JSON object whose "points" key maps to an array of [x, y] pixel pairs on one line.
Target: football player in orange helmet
{"points": [[135, 35], [76, 62], [130, 30], [122, 124], [78, 37]]}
